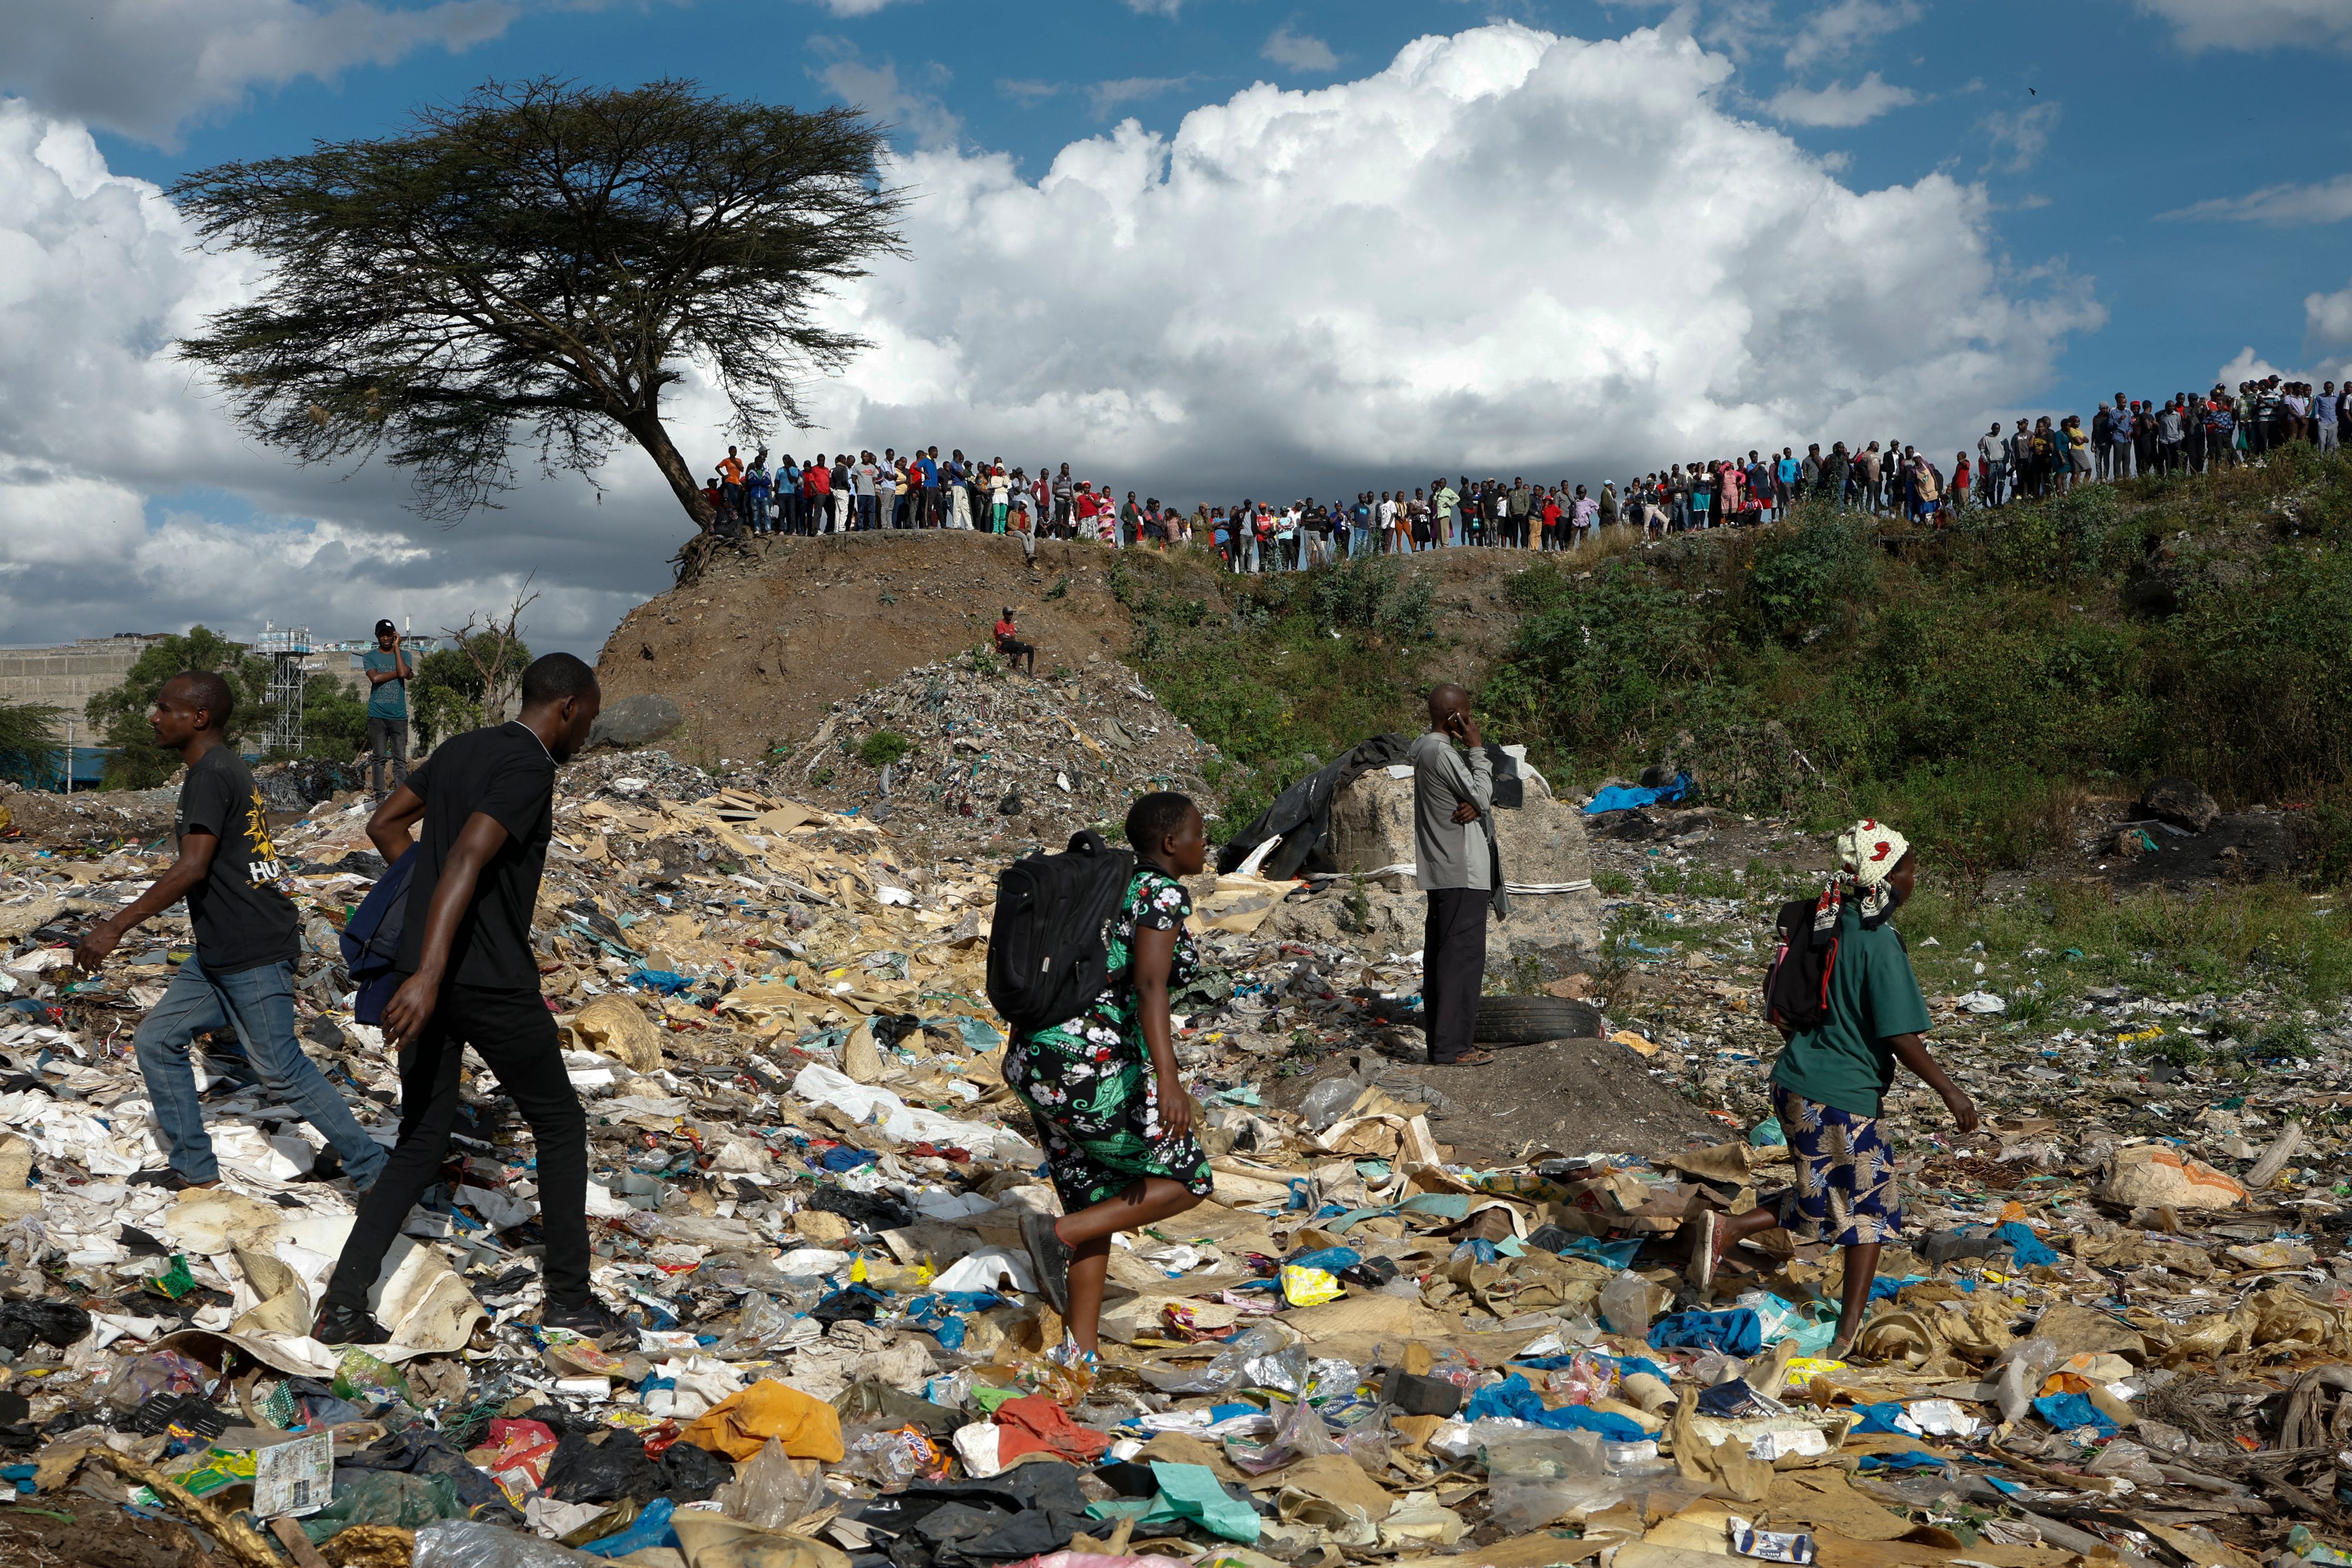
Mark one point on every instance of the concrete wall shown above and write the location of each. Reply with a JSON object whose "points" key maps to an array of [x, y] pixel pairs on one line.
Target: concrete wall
{"points": [[68, 676]]}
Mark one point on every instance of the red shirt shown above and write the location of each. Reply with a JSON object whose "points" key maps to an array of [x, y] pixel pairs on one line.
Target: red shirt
{"points": [[819, 478], [1005, 629]]}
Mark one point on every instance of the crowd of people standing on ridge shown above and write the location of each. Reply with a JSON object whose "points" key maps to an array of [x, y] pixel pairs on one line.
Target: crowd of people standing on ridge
{"points": [[2187, 433]]}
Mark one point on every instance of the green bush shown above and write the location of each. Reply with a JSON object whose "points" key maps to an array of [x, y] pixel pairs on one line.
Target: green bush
{"points": [[883, 747], [1806, 574]]}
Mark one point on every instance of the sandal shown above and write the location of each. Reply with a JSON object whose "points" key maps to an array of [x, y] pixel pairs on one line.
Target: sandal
{"points": [[1474, 1057]]}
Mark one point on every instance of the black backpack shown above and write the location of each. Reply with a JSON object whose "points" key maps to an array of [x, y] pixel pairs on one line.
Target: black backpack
{"points": [[1797, 988], [1049, 944]]}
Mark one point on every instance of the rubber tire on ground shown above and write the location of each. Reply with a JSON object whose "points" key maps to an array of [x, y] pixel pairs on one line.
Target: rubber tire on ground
{"points": [[1528, 1020]]}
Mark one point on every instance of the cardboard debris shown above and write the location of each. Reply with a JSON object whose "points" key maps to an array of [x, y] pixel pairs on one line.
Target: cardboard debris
{"points": [[2092, 1341]]}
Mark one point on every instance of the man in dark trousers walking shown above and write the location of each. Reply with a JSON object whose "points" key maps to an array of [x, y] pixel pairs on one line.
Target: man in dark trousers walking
{"points": [[485, 801], [1454, 864]]}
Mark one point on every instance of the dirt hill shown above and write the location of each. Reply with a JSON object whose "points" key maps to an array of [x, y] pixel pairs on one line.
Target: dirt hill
{"points": [[759, 650]]}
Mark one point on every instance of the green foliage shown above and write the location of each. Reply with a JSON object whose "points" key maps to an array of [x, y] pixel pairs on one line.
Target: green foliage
{"points": [[1304, 667], [445, 698], [1971, 684], [118, 714], [1804, 575], [1372, 595], [334, 720], [29, 749], [1611, 883], [883, 747]]}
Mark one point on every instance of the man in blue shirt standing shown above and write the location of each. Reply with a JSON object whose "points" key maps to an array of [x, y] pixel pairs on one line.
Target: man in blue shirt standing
{"points": [[386, 666]]}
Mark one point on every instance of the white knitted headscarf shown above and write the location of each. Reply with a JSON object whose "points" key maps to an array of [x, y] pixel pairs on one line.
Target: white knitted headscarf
{"points": [[1867, 853]]}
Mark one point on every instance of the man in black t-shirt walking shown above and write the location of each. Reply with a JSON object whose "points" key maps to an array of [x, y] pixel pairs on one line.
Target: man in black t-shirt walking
{"points": [[485, 801], [242, 973]]}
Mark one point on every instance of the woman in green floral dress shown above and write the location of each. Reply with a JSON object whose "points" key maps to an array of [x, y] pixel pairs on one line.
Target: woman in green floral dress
{"points": [[1103, 1088]]}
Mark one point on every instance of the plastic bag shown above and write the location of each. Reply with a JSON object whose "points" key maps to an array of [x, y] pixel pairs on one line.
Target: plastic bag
{"points": [[1584, 1379], [1327, 1101], [387, 1497], [1521, 1507], [365, 1379], [1627, 1304], [649, 1529], [1228, 1372], [469, 1543], [2126, 1458], [1298, 1433], [890, 1459], [761, 1324], [772, 1489], [1536, 1476], [2022, 1367], [163, 1372]]}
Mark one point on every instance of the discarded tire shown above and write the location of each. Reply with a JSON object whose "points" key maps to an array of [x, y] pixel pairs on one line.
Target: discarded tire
{"points": [[1524, 1020]]}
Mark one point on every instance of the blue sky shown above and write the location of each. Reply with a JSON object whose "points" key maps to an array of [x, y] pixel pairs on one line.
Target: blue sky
{"points": [[2088, 136], [1215, 246]]}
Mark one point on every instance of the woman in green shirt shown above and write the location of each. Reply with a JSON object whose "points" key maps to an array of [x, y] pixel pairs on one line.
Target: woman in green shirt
{"points": [[1831, 1080]]}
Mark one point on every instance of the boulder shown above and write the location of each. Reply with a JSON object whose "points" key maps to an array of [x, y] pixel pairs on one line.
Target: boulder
{"points": [[635, 721], [2180, 802], [1542, 844]]}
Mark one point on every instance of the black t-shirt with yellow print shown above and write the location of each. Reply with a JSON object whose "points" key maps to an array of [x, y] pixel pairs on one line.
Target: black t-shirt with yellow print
{"points": [[242, 917]]}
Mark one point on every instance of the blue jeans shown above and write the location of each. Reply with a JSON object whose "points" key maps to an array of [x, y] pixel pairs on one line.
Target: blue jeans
{"points": [[260, 1005]]}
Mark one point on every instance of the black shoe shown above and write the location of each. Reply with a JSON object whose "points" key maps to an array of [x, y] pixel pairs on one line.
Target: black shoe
{"points": [[348, 1325], [169, 1180], [592, 1320], [1051, 1256], [326, 1167]]}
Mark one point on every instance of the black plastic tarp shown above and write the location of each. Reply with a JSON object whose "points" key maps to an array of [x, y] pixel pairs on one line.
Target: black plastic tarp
{"points": [[1301, 815]]}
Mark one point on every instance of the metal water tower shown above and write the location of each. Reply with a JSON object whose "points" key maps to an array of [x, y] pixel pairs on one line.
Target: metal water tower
{"points": [[289, 652]]}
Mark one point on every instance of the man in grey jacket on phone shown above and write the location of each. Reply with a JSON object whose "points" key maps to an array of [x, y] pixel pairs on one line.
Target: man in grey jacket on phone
{"points": [[1453, 864]]}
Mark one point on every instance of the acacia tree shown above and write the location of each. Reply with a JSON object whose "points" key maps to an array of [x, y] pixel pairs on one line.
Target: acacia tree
{"points": [[539, 262]]}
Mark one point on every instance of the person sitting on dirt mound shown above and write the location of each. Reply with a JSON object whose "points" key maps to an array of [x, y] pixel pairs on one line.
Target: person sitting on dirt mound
{"points": [[1008, 644], [1833, 1075]]}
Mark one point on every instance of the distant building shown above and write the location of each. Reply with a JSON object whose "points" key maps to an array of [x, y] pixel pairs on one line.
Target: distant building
{"points": [[68, 675]]}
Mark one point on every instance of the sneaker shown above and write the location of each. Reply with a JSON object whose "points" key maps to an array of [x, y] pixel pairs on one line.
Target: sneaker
{"points": [[592, 1320], [348, 1325], [169, 1180], [1051, 1255]]}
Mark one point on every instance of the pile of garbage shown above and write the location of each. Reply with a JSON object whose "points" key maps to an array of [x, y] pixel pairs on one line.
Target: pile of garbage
{"points": [[972, 756], [808, 1179]]}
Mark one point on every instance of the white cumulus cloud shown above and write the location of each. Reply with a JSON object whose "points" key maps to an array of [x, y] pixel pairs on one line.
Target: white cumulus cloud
{"points": [[127, 501], [146, 66], [1838, 105], [2256, 24], [2327, 318], [1505, 251]]}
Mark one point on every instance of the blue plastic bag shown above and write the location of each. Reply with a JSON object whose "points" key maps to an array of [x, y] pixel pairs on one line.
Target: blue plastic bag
{"points": [[649, 1529], [1737, 1332], [2068, 1411], [2026, 1249], [1516, 1399]]}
